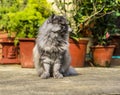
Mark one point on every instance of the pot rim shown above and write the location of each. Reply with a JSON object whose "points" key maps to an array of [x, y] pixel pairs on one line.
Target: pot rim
{"points": [[84, 41], [26, 39], [101, 46]]}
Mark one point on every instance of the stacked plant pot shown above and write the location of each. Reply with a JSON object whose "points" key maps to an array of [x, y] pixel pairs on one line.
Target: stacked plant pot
{"points": [[9, 52]]}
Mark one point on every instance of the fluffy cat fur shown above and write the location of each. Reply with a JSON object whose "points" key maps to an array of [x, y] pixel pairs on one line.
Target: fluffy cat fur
{"points": [[51, 52]]}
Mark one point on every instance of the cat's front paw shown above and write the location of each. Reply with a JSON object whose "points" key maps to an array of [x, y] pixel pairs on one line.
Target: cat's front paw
{"points": [[58, 75], [45, 75]]}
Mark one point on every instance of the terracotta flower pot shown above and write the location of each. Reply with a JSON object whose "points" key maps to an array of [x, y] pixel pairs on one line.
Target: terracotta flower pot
{"points": [[26, 48], [102, 55], [78, 52]]}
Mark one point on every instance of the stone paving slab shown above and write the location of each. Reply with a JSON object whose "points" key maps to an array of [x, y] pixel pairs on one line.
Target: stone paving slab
{"points": [[15, 80]]}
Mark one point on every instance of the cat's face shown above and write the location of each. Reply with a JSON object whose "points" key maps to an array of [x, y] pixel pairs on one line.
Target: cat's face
{"points": [[60, 24]]}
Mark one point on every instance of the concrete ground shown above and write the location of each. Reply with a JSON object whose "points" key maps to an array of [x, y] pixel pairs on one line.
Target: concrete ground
{"points": [[15, 80]]}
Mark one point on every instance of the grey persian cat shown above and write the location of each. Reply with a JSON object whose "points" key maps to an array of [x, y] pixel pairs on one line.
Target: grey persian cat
{"points": [[51, 52]]}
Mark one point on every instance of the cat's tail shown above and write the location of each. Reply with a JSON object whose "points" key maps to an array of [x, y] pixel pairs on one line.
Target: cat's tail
{"points": [[71, 71]]}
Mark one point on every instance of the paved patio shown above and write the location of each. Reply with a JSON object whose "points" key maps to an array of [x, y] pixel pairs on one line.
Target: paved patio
{"points": [[15, 80]]}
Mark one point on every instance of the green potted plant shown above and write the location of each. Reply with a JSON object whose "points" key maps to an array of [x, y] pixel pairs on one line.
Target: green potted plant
{"points": [[103, 28], [103, 49], [25, 24]]}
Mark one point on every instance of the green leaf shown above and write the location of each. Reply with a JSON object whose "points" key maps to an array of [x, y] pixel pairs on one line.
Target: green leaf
{"points": [[117, 13]]}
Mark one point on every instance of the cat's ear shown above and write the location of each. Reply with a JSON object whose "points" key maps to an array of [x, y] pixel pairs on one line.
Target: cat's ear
{"points": [[53, 16], [50, 19]]}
